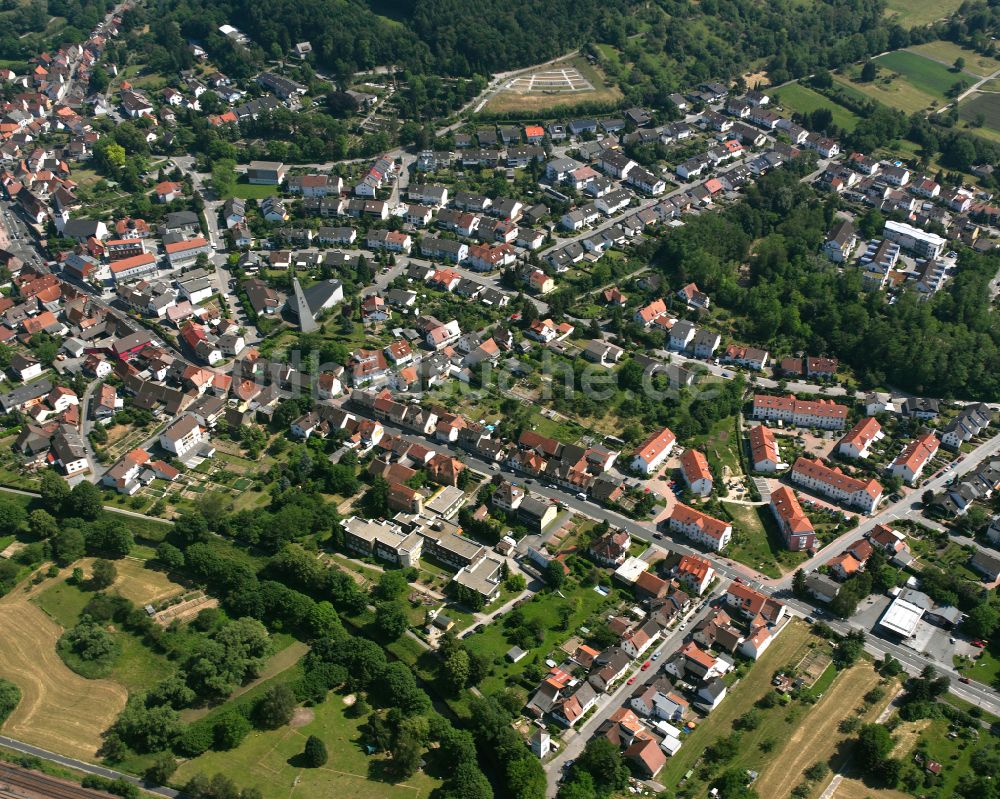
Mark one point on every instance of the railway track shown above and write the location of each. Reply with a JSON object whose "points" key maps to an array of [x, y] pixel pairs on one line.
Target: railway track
{"points": [[19, 783]]}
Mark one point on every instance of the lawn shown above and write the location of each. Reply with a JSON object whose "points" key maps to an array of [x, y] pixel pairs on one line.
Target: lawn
{"points": [[896, 93], [922, 73], [917, 13], [269, 761], [985, 669], [803, 100], [954, 755], [757, 542], [545, 606], [947, 52], [786, 649], [721, 445], [252, 191]]}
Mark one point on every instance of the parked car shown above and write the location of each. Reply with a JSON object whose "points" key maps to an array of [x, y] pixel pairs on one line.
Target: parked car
{"points": [[631, 681], [646, 665]]}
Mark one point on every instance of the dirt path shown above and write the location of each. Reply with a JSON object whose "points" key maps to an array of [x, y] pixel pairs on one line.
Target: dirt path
{"points": [[815, 737], [276, 664], [59, 710]]}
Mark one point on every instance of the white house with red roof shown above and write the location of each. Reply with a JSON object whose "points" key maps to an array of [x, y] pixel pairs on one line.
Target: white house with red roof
{"points": [[832, 482], [695, 573], [697, 475], [824, 414], [795, 526], [857, 443], [651, 453], [915, 456], [700, 527], [764, 454]]}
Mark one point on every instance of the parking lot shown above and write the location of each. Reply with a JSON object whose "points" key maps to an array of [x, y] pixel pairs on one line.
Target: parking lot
{"points": [[929, 639]]}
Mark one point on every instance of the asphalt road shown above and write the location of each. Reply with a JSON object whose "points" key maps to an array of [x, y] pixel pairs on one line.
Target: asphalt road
{"points": [[87, 768], [609, 703]]}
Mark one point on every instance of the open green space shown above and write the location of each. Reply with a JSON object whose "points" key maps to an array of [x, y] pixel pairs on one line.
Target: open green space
{"points": [[721, 445], [269, 761], [947, 52], [582, 603], [251, 191], [802, 100], [923, 73], [917, 13], [757, 542]]}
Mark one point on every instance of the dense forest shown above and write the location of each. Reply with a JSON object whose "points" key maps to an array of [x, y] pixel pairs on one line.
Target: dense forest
{"points": [[671, 45], [791, 299], [667, 44]]}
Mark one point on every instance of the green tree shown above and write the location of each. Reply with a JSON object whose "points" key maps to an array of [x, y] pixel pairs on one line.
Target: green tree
{"points": [[85, 501], [555, 573], [12, 517], [54, 491], [982, 620], [407, 748], [391, 585], [799, 582], [874, 745], [315, 754], [42, 524], [230, 729], [276, 707], [390, 619], [68, 545], [455, 670], [602, 760], [103, 574], [869, 71], [161, 769]]}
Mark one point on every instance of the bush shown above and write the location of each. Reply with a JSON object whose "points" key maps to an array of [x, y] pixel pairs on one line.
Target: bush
{"points": [[10, 695], [195, 740]]}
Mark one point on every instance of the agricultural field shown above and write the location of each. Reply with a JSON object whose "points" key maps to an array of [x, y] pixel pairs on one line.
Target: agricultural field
{"points": [[947, 52], [917, 13], [923, 73], [801, 99], [906, 81], [59, 710], [562, 84], [983, 108], [270, 760]]}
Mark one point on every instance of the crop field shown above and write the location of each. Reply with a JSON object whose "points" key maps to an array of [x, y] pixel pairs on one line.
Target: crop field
{"points": [[947, 52], [270, 761], [562, 84], [984, 108], [59, 710], [803, 100], [917, 13], [922, 73]]}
